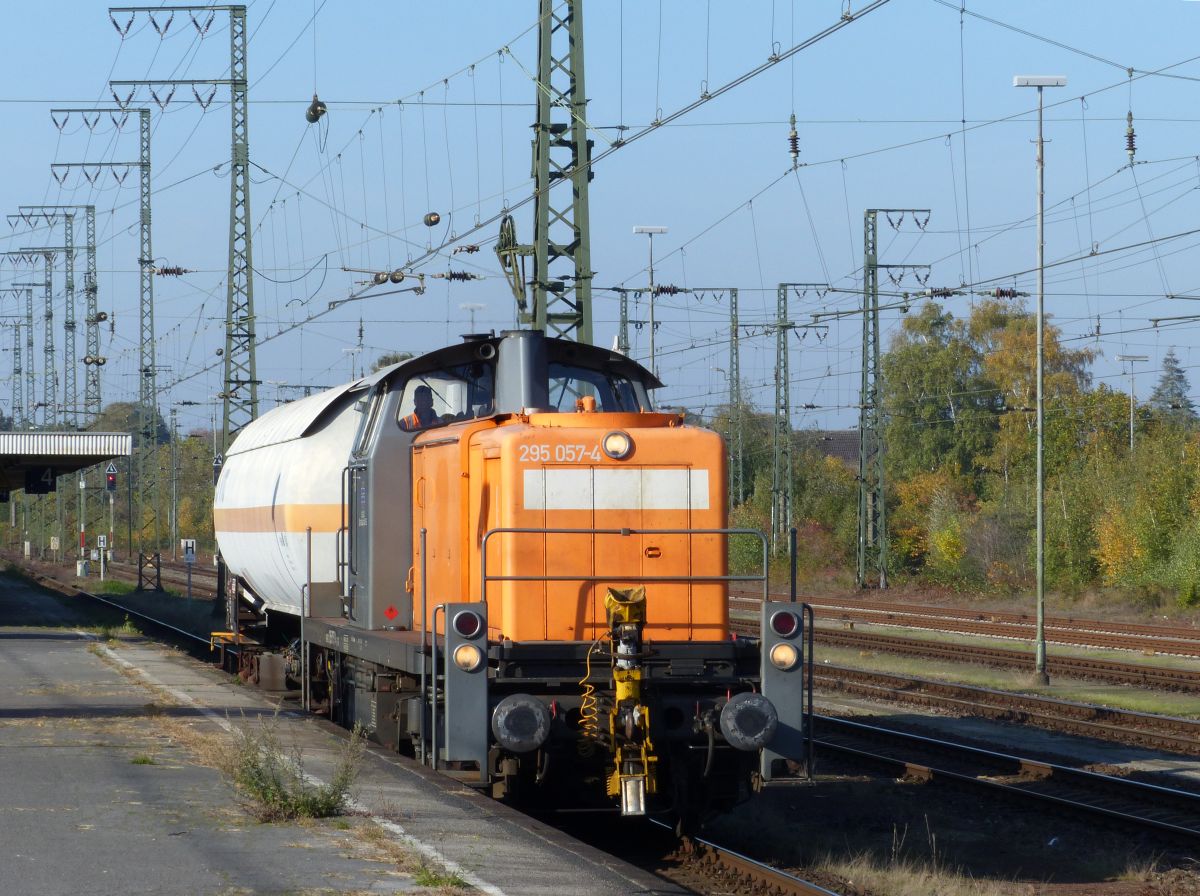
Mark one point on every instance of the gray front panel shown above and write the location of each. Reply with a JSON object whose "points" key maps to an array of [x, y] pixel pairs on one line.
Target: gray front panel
{"points": [[466, 706], [784, 688]]}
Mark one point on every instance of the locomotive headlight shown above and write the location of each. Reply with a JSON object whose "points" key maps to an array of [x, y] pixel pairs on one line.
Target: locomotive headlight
{"points": [[468, 657], [617, 445], [784, 656]]}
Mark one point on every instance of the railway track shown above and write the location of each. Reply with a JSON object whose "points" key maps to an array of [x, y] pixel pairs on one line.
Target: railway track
{"points": [[204, 578], [1178, 641], [734, 872], [1160, 809], [1167, 733], [1137, 674]]}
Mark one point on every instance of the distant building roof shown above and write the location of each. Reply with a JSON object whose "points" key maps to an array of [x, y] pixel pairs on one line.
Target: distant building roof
{"points": [[838, 443]]}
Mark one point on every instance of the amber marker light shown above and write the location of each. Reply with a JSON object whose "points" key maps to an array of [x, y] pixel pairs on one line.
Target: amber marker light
{"points": [[784, 656], [468, 657]]}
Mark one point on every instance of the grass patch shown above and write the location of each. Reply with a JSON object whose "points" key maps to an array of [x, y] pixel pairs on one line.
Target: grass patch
{"points": [[428, 877], [274, 782], [141, 759], [911, 877], [115, 586], [110, 633]]}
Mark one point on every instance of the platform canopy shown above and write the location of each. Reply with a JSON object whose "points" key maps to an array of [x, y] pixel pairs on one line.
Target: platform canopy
{"points": [[33, 460]]}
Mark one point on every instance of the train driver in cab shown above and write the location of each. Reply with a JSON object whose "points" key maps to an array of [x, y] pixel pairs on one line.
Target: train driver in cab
{"points": [[422, 414]]}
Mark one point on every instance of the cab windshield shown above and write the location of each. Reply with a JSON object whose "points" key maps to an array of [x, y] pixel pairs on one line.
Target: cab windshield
{"points": [[612, 392]]}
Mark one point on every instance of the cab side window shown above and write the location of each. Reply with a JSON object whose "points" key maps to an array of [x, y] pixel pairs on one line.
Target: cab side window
{"points": [[446, 396]]}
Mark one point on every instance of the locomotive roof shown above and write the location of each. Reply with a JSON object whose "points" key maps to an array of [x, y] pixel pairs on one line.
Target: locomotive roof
{"points": [[293, 420], [560, 350]]}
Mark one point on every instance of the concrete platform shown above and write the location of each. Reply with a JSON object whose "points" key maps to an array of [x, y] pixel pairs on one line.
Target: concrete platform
{"points": [[106, 759]]}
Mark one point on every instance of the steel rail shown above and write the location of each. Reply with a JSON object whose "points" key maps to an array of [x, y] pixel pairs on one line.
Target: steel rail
{"points": [[998, 617], [1169, 733], [1153, 796], [1071, 666], [759, 874]]}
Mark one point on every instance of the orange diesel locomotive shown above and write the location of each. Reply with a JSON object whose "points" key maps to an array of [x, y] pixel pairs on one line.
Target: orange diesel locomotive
{"points": [[498, 556]]}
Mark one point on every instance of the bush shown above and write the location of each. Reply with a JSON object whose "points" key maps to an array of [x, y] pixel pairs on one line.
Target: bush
{"points": [[276, 783]]}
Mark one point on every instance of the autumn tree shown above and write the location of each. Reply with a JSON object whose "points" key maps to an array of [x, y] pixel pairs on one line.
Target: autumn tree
{"points": [[1170, 401]]}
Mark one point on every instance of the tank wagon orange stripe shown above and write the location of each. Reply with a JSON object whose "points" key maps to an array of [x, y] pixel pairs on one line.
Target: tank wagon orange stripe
{"points": [[280, 518]]}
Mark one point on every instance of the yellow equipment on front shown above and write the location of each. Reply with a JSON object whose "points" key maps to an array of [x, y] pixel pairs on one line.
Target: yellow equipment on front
{"points": [[634, 772]]}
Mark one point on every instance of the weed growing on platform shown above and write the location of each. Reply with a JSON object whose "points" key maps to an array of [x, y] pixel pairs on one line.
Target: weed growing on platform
{"points": [[141, 759], [275, 782], [109, 633], [427, 877]]}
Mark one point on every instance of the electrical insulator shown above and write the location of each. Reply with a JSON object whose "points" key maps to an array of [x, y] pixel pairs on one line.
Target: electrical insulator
{"points": [[794, 143], [380, 277], [469, 248], [1005, 292], [941, 292], [432, 219], [396, 276], [314, 111], [456, 275], [1130, 137], [171, 271]]}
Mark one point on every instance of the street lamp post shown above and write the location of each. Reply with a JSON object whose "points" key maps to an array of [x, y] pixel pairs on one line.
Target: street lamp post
{"points": [[1132, 359], [650, 230], [471, 308], [1040, 82]]}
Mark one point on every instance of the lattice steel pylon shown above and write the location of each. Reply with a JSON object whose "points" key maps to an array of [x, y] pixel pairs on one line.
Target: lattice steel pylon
{"points": [[240, 394], [22, 400], [18, 404], [561, 247], [782, 470], [872, 506], [50, 214], [148, 486], [91, 388], [737, 442], [49, 371]]}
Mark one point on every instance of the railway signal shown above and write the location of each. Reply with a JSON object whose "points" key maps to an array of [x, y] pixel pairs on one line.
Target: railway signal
{"points": [[110, 478]]}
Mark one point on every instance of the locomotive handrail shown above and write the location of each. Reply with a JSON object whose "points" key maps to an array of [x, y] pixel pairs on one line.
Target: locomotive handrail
{"points": [[340, 548], [807, 610], [485, 578], [440, 608], [424, 612]]}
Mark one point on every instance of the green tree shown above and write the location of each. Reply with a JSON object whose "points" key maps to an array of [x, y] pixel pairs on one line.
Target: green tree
{"points": [[939, 407], [1170, 399], [122, 416], [388, 359]]}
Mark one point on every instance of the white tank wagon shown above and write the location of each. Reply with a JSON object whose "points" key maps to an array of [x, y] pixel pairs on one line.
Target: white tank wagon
{"points": [[283, 475]]}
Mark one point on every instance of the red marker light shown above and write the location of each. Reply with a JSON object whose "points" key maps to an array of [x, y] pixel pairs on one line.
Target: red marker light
{"points": [[785, 623], [468, 624]]}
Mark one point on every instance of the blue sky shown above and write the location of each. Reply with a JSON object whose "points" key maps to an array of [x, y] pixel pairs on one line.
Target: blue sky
{"points": [[413, 127]]}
